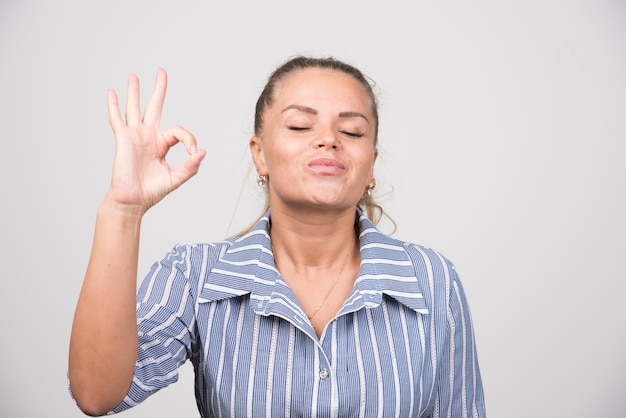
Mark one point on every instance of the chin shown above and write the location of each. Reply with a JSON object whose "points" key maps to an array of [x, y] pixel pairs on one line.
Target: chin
{"points": [[336, 203]]}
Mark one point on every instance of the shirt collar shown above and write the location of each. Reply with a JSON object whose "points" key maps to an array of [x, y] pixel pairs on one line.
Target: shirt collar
{"points": [[246, 266]]}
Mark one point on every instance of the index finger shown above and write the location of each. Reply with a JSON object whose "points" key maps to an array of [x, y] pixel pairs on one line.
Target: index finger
{"points": [[152, 115]]}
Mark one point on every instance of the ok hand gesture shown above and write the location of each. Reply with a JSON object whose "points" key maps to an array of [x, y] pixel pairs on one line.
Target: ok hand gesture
{"points": [[141, 175]]}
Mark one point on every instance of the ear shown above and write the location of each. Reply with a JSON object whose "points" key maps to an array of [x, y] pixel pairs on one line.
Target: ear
{"points": [[374, 162], [258, 155]]}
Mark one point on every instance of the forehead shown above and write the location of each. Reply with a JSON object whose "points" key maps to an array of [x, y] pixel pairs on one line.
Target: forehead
{"points": [[323, 86]]}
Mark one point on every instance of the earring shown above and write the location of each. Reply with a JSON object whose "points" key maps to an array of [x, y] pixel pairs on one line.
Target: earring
{"points": [[261, 180], [370, 187]]}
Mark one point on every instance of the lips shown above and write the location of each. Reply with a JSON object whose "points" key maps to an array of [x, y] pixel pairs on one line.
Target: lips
{"points": [[327, 166]]}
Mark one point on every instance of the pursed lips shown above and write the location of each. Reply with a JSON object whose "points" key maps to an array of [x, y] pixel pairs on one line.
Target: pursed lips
{"points": [[326, 166]]}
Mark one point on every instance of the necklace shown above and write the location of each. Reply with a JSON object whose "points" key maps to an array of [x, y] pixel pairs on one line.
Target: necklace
{"points": [[335, 281]]}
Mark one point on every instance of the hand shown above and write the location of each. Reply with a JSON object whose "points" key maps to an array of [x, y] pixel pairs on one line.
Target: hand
{"points": [[141, 175]]}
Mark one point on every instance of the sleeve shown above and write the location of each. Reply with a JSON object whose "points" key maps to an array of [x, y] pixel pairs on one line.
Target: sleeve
{"points": [[459, 387], [166, 326]]}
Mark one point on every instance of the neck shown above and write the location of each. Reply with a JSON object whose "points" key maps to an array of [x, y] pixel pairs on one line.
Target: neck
{"points": [[312, 240]]}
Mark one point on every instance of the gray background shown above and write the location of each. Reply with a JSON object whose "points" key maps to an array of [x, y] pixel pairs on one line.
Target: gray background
{"points": [[502, 138]]}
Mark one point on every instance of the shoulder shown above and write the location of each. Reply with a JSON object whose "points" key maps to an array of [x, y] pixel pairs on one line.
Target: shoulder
{"points": [[197, 254], [425, 260], [429, 259], [191, 262]]}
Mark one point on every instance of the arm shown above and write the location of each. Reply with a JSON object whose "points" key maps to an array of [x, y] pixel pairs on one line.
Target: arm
{"points": [[103, 344], [460, 390]]}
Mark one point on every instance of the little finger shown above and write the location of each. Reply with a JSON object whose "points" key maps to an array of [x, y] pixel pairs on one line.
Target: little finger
{"points": [[115, 117]]}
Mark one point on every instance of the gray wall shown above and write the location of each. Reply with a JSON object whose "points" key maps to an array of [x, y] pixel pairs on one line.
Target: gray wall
{"points": [[502, 145]]}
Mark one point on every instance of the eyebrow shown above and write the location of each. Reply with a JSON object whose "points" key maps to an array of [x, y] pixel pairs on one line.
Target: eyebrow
{"points": [[310, 110]]}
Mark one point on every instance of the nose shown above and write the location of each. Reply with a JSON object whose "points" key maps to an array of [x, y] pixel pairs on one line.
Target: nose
{"points": [[328, 139]]}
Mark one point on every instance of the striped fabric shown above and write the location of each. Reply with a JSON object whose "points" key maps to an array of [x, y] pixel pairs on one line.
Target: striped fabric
{"points": [[401, 346]]}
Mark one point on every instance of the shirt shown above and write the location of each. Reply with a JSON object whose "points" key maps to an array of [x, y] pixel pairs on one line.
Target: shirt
{"points": [[402, 345]]}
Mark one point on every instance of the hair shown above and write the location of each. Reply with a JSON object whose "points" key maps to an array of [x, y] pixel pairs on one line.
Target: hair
{"points": [[301, 63], [367, 203]]}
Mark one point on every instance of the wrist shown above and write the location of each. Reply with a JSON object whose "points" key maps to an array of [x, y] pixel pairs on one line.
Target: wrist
{"points": [[128, 214]]}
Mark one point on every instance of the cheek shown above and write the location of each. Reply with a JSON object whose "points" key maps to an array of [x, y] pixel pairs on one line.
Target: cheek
{"points": [[281, 154], [368, 158]]}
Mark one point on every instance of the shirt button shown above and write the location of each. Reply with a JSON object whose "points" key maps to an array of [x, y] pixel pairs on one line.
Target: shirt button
{"points": [[324, 374]]}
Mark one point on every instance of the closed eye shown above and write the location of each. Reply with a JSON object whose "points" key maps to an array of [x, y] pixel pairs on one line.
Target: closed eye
{"points": [[352, 134], [298, 128]]}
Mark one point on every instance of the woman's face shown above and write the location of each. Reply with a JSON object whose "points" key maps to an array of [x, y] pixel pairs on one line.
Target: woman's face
{"points": [[317, 143]]}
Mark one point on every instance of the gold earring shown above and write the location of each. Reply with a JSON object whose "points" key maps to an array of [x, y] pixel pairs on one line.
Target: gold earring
{"points": [[371, 186], [261, 180]]}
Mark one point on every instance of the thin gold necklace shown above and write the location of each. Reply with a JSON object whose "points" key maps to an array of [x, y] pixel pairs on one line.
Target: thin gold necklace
{"points": [[343, 266]]}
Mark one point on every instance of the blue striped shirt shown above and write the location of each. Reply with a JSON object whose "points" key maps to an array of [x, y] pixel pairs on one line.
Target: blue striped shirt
{"points": [[402, 345]]}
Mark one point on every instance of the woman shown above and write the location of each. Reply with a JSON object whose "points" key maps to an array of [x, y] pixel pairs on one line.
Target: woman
{"points": [[313, 312]]}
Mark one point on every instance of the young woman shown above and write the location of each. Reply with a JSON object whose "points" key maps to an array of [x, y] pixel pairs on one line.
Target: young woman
{"points": [[312, 312]]}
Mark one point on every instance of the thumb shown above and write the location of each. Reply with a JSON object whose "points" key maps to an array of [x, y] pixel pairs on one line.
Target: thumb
{"points": [[188, 169]]}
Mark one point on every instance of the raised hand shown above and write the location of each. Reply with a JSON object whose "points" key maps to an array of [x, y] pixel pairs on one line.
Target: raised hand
{"points": [[141, 175], [103, 346]]}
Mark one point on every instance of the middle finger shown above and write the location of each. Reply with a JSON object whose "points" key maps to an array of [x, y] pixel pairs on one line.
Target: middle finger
{"points": [[133, 111]]}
